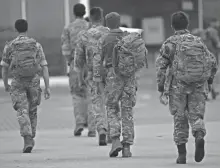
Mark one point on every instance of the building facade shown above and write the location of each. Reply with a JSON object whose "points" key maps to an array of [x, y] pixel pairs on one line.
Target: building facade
{"points": [[47, 18]]}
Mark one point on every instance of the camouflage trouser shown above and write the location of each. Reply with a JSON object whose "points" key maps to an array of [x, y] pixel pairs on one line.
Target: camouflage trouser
{"points": [[26, 96], [98, 107], [187, 108], [82, 108], [83, 112], [123, 91]]}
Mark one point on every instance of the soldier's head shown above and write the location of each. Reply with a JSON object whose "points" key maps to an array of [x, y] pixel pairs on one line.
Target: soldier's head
{"points": [[214, 23], [179, 21], [21, 26], [96, 15], [113, 20], [79, 10]]}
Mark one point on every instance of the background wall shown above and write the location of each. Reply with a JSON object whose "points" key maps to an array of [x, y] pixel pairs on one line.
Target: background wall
{"points": [[138, 10], [46, 20]]}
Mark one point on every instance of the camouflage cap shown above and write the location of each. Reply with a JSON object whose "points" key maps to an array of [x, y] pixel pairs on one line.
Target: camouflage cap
{"points": [[113, 20]]}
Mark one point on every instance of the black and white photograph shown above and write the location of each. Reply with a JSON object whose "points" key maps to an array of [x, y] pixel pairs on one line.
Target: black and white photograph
{"points": [[109, 83]]}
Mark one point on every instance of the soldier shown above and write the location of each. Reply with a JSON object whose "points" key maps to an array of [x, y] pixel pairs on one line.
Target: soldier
{"points": [[118, 88], [186, 94], [107, 45], [79, 95], [213, 43], [25, 58], [85, 50]]}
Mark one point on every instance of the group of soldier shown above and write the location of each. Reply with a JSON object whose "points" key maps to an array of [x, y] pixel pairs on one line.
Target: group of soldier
{"points": [[88, 46], [103, 100]]}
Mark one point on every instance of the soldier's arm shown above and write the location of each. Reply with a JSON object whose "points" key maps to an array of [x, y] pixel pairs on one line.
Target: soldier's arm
{"points": [[65, 45], [215, 38], [214, 68], [80, 57], [5, 63], [146, 61], [44, 65], [98, 62], [162, 62]]}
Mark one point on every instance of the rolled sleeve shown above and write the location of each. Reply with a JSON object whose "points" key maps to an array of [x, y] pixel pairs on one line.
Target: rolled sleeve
{"points": [[162, 63], [6, 60], [65, 42], [79, 55], [41, 55], [214, 68], [98, 62]]}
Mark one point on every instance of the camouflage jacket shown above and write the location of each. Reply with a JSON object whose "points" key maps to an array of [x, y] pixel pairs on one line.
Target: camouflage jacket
{"points": [[87, 47], [164, 73], [69, 37], [104, 56], [7, 57]]}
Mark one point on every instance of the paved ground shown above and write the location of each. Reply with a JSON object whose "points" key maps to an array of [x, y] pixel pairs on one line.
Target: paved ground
{"points": [[57, 147]]}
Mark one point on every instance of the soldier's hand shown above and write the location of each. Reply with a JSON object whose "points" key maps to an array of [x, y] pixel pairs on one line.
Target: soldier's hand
{"points": [[7, 88], [164, 99], [47, 93]]}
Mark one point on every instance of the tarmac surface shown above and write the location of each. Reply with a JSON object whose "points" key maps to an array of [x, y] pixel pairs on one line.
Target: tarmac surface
{"points": [[56, 146]]}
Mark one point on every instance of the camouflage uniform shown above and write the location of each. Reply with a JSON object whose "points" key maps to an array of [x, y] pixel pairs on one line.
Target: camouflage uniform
{"points": [[215, 41], [85, 51], [79, 95], [185, 103], [25, 93], [117, 89]]}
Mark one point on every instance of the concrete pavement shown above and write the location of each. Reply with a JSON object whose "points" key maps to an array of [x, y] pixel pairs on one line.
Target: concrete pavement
{"points": [[57, 147], [153, 148]]}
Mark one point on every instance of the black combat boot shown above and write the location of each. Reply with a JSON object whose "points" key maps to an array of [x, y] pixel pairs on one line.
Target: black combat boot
{"points": [[28, 144], [78, 130], [126, 152], [92, 134], [199, 147], [182, 154], [102, 137], [116, 147]]}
